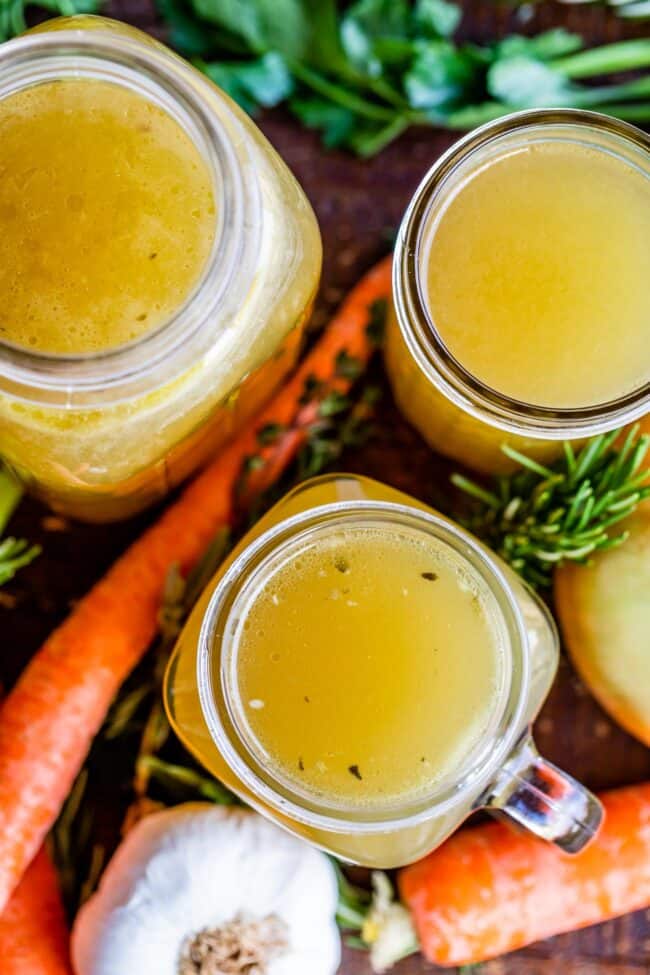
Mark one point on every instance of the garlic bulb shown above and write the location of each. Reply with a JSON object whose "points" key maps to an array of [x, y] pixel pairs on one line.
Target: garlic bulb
{"points": [[203, 889]]}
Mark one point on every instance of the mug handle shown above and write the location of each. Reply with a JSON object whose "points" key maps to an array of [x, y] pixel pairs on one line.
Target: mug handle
{"points": [[548, 802]]}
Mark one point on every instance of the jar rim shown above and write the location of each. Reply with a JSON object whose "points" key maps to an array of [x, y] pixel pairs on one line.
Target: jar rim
{"points": [[416, 325], [172, 348], [262, 785]]}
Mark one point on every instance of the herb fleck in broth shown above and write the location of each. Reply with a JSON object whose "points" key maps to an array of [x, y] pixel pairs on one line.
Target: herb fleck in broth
{"points": [[371, 696]]}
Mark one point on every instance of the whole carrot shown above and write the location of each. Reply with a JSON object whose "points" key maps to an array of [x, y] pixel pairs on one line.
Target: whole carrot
{"points": [[33, 934], [50, 717], [489, 890]]}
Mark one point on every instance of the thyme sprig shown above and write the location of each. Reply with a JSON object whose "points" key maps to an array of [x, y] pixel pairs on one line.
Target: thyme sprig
{"points": [[544, 515]]}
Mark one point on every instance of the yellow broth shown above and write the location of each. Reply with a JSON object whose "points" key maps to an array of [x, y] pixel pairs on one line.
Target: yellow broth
{"points": [[107, 216], [367, 666]]}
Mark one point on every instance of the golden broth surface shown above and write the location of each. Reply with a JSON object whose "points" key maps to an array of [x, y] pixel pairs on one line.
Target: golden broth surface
{"points": [[537, 275], [107, 216], [368, 666]]}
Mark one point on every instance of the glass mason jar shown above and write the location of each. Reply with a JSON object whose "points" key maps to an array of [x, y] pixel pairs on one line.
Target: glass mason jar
{"points": [[504, 772], [455, 411], [100, 436]]}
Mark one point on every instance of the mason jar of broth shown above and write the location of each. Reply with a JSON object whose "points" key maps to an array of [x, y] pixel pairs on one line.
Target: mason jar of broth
{"points": [[520, 288], [157, 264], [364, 672]]}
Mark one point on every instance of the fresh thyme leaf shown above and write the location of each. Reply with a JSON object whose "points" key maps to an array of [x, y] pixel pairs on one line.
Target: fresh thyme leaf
{"points": [[544, 515], [253, 463], [343, 424], [313, 389], [376, 327], [333, 403], [269, 433], [347, 366]]}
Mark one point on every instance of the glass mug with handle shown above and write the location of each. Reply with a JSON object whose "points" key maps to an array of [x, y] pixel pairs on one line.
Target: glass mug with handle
{"points": [[364, 672]]}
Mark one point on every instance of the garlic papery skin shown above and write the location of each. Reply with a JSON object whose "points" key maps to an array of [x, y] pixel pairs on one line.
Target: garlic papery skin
{"points": [[198, 867]]}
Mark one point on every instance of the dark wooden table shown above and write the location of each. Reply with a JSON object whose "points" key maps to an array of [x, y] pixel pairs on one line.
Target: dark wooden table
{"points": [[359, 205]]}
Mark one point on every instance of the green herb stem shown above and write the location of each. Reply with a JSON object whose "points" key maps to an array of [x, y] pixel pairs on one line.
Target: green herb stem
{"points": [[607, 94], [631, 112], [472, 116], [607, 59], [638, 10], [341, 96], [370, 145]]}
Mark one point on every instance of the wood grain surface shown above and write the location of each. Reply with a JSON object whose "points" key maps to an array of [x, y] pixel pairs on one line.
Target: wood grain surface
{"points": [[359, 205]]}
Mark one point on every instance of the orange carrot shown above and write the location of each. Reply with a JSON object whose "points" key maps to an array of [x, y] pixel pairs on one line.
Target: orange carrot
{"points": [[489, 890], [48, 720], [33, 934]]}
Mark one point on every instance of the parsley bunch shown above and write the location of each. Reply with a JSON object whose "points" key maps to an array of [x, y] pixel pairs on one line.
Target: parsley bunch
{"points": [[363, 73]]}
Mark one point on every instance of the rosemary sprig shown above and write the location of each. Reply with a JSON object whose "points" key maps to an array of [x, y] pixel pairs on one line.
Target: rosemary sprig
{"points": [[542, 516], [14, 552]]}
